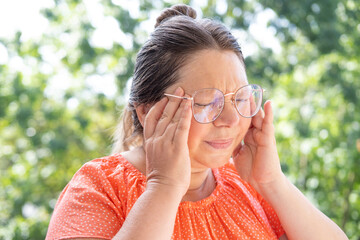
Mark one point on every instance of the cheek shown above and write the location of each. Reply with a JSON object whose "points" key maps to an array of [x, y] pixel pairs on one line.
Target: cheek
{"points": [[199, 131], [242, 129], [196, 133], [245, 125]]}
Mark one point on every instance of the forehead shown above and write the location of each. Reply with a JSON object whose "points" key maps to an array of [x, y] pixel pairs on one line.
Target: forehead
{"points": [[212, 69]]}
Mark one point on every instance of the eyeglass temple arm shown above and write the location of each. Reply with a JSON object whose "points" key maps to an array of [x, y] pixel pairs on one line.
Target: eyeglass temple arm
{"points": [[170, 95], [187, 98], [262, 89]]}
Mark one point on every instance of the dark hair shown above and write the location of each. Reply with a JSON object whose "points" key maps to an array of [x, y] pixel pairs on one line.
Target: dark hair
{"points": [[177, 36]]}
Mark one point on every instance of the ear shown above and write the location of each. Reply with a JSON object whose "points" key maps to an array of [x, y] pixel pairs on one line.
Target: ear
{"points": [[141, 111]]}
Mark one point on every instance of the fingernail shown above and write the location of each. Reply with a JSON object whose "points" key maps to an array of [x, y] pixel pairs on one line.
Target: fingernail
{"points": [[178, 91]]}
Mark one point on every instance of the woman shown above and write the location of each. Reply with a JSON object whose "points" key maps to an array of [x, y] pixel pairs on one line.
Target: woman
{"points": [[201, 161]]}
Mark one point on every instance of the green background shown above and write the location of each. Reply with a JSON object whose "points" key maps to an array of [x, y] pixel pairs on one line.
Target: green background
{"points": [[46, 135]]}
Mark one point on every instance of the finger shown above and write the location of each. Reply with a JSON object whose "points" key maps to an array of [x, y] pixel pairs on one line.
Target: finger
{"points": [[169, 112], [269, 117], [265, 135], [171, 128], [182, 131], [268, 125], [258, 119], [152, 117], [249, 137]]}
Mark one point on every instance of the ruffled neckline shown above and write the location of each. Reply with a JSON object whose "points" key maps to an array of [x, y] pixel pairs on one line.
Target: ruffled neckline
{"points": [[185, 204]]}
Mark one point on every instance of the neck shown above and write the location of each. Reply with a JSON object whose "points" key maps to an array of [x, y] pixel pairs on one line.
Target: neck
{"points": [[202, 182]]}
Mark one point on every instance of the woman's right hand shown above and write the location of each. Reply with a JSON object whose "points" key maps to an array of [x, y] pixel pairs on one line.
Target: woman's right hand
{"points": [[166, 130]]}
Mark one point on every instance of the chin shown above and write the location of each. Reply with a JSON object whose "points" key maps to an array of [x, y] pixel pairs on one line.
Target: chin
{"points": [[220, 161], [211, 161]]}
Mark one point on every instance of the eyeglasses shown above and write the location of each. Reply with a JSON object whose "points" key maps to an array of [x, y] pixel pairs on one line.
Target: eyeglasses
{"points": [[208, 103]]}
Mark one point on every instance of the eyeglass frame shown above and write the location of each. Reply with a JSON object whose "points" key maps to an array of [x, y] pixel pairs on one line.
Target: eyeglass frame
{"points": [[224, 95]]}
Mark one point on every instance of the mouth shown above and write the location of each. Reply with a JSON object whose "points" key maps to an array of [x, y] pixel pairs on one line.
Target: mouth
{"points": [[220, 144]]}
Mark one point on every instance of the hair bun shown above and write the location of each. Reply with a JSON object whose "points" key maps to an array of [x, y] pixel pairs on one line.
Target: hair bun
{"points": [[176, 10]]}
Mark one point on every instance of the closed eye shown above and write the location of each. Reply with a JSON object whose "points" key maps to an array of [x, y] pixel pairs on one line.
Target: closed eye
{"points": [[202, 105], [238, 100], [214, 104]]}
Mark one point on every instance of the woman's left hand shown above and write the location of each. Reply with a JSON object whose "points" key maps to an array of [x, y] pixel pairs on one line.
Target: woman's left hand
{"points": [[256, 159]]}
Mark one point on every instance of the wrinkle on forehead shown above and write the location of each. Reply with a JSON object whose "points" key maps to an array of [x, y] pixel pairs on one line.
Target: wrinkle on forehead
{"points": [[221, 69]]}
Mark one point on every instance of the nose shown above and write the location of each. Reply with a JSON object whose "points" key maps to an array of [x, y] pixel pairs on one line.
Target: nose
{"points": [[228, 117]]}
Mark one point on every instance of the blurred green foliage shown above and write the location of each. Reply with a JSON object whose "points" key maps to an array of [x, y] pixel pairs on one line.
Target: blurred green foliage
{"points": [[48, 132]]}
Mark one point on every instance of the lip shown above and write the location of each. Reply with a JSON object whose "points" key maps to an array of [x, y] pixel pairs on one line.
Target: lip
{"points": [[220, 143]]}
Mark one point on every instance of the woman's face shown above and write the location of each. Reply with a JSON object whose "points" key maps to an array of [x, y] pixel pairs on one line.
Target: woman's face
{"points": [[211, 145]]}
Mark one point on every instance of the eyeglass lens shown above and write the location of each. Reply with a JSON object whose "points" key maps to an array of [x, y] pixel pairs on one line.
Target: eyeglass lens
{"points": [[209, 103]]}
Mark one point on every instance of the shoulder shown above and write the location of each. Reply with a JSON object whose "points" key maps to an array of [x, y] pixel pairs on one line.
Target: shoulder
{"points": [[107, 172], [114, 168], [106, 166], [95, 192], [101, 167], [107, 163]]}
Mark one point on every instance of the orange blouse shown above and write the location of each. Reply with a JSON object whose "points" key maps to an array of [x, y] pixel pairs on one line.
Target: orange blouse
{"points": [[101, 194]]}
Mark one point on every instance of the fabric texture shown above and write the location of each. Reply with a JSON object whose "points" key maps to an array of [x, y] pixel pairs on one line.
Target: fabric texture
{"points": [[101, 194]]}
